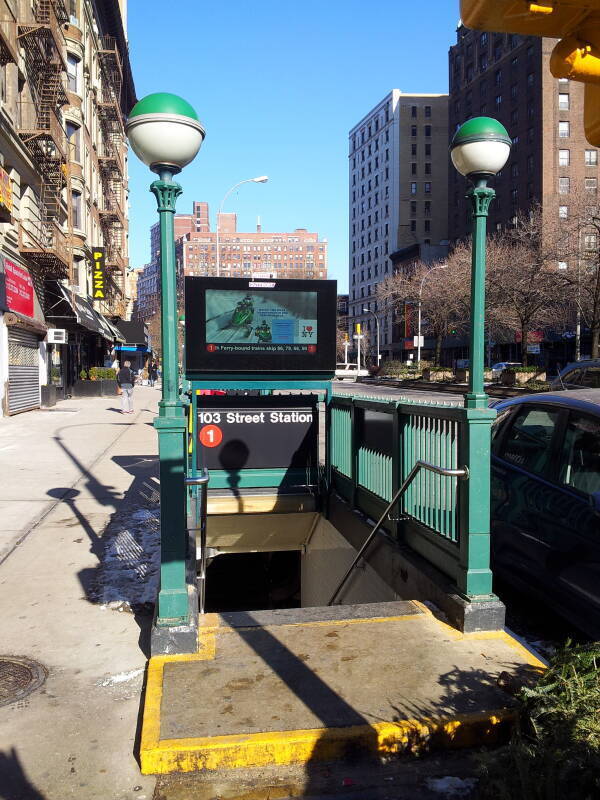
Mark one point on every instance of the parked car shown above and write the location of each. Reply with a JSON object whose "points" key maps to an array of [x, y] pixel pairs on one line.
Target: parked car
{"points": [[498, 368], [546, 500], [579, 375], [350, 372]]}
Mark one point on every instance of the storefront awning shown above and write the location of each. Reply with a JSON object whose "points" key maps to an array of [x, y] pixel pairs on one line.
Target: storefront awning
{"points": [[62, 304]]}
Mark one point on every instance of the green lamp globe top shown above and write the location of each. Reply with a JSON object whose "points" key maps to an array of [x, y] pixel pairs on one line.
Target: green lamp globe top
{"points": [[163, 103], [481, 129]]}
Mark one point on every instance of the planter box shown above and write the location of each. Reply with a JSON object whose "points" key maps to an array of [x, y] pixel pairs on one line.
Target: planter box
{"points": [[436, 374], [48, 396], [461, 375], [100, 388], [508, 378], [523, 377]]}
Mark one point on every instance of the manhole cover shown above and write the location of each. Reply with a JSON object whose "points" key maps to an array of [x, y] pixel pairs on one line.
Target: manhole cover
{"points": [[19, 677]]}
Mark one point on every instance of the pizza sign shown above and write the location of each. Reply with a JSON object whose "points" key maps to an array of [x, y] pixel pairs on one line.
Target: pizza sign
{"points": [[98, 275]]}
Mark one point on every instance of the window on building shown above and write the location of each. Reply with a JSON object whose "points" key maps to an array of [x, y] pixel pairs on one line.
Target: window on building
{"points": [[427, 130], [483, 62], [514, 90], [530, 79], [413, 130], [413, 206], [590, 241], [498, 77], [413, 149], [427, 226], [591, 184], [74, 137], [76, 209], [514, 116], [514, 196], [427, 207], [427, 168], [413, 168], [564, 130], [564, 158], [563, 101], [427, 188], [498, 100], [72, 72], [428, 149], [427, 111], [413, 225], [514, 170], [413, 188], [413, 111], [564, 185], [563, 212], [562, 265], [591, 158]]}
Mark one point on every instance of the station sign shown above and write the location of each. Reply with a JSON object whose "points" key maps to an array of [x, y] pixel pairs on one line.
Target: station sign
{"points": [[263, 434]]}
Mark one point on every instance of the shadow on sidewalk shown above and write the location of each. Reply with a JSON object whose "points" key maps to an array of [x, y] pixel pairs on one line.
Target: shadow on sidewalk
{"points": [[128, 548], [14, 783]]}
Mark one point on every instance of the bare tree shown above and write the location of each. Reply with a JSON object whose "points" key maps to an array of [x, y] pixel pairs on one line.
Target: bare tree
{"points": [[580, 277], [154, 329], [523, 291], [442, 289]]}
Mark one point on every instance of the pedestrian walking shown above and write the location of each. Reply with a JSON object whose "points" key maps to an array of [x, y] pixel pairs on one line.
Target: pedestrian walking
{"points": [[153, 373], [125, 382]]}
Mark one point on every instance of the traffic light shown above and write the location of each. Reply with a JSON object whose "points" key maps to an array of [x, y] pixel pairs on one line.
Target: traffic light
{"points": [[358, 328], [575, 22]]}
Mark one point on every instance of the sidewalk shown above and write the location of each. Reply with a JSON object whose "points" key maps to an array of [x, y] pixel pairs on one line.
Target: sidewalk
{"points": [[79, 487]]}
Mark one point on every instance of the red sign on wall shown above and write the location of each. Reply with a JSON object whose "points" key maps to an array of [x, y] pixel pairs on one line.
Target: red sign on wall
{"points": [[18, 288]]}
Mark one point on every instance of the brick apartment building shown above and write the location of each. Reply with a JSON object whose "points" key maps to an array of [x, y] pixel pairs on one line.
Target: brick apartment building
{"points": [[398, 175], [299, 254], [508, 77]]}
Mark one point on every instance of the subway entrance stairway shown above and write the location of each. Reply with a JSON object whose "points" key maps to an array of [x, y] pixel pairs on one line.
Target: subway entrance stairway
{"points": [[381, 674]]}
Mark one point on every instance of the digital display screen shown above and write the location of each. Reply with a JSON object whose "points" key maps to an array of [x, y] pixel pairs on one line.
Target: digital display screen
{"points": [[260, 326], [261, 322]]}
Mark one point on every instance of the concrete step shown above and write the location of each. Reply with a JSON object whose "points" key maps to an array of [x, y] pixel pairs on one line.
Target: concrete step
{"points": [[305, 685]]}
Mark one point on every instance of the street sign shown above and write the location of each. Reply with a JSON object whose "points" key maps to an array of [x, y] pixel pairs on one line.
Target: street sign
{"points": [[268, 434], [419, 341]]}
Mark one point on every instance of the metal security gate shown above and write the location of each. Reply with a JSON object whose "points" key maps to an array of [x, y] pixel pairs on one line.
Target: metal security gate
{"points": [[23, 371]]}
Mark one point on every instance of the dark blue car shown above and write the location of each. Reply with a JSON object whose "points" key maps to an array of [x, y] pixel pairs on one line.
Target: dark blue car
{"points": [[546, 500]]}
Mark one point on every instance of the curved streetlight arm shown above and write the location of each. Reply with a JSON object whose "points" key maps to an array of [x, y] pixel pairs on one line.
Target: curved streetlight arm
{"points": [[227, 193]]}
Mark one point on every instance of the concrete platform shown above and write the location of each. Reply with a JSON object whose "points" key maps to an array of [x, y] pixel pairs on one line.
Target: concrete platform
{"points": [[300, 685]]}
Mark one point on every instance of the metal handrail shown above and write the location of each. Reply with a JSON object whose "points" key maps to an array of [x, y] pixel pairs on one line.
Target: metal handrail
{"points": [[201, 480], [462, 472]]}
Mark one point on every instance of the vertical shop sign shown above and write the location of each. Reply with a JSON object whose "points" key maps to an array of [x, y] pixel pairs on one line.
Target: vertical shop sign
{"points": [[98, 275]]}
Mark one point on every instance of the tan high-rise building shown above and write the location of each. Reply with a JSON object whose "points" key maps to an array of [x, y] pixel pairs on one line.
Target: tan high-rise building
{"points": [[398, 171], [65, 88]]}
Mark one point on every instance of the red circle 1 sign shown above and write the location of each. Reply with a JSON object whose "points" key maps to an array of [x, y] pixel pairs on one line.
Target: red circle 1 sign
{"points": [[210, 435]]}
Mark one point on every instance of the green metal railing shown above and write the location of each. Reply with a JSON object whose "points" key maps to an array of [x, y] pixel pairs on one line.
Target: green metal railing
{"points": [[374, 445]]}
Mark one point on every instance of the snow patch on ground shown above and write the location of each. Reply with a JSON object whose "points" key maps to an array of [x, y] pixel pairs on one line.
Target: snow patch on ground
{"points": [[129, 571], [451, 787], [121, 677]]}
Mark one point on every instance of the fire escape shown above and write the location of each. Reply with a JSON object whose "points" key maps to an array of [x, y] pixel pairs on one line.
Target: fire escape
{"points": [[42, 133], [112, 169]]}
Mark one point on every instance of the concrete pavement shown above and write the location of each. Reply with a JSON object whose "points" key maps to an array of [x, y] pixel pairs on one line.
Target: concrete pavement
{"points": [[78, 503]]}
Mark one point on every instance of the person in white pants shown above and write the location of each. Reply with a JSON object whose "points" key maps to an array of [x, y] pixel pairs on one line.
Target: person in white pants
{"points": [[125, 381]]}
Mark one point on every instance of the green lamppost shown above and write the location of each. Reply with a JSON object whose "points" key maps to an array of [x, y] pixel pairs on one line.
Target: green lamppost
{"points": [[479, 150], [165, 133]]}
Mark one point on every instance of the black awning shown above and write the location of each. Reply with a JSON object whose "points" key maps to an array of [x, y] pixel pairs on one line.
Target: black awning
{"points": [[64, 305]]}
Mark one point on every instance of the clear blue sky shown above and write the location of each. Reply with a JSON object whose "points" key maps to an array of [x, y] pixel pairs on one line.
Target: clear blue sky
{"points": [[278, 85]]}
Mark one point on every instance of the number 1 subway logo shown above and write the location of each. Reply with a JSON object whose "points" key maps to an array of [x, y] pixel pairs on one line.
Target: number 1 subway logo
{"points": [[98, 274]]}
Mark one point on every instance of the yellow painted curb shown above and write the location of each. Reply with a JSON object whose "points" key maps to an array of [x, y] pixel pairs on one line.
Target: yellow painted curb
{"points": [[300, 746]]}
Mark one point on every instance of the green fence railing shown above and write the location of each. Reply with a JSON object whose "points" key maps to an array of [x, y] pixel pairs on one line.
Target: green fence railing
{"points": [[374, 444]]}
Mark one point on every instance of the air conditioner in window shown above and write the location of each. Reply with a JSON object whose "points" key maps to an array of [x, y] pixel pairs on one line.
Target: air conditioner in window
{"points": [[57, 336]]}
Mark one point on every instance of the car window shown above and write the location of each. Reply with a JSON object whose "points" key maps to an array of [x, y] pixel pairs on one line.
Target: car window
{"points": [[591, 378], [573, 378], [580, 457], [498, 426], [527, 444]]}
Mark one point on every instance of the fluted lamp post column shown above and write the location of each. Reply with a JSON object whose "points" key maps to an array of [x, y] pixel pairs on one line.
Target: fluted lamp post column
{"points": [[165, 133], [479, 150]]}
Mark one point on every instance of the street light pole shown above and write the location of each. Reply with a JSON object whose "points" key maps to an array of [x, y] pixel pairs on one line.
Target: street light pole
{"points": [[374, 315], [260, 179], [165, 133], [479, 150]]}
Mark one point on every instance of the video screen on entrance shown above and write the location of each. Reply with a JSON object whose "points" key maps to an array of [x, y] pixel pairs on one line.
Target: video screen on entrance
{"points": [[242, 321], [249, 325]]}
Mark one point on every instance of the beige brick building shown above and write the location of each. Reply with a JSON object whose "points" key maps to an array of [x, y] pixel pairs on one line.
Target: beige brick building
{"points": [[65, 88]]}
